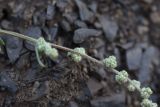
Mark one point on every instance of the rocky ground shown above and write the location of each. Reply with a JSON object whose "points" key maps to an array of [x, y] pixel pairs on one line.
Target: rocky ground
{"points": [[128, 29]]}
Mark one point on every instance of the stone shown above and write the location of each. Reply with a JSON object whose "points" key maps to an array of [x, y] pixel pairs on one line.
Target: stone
{"points": [[84, 12], [143, 29], [150, 55], [13, 47], [7, 83], [133, 57], [110, 27], [155, 17], [81, 34], [94, 86], [34, 32]]}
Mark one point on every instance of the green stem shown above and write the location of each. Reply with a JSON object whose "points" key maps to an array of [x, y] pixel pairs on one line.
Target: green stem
{"points": [[18, 35], [38, 58]]}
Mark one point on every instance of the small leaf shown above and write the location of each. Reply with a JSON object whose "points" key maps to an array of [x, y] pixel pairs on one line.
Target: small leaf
{"points": [[1, 42]]}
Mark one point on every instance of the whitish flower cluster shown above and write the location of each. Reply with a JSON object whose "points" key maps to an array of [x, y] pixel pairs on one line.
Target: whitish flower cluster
{"points": [[110, 62], [122, 77], [51, 52], [146, 92], [43, 47], [148, 103], [133, 85], [75, 57]]}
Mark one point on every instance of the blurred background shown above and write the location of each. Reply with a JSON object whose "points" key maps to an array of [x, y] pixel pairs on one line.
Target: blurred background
{"points": [[128, 29]]}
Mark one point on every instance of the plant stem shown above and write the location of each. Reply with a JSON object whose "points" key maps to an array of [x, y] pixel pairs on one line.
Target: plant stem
{"points": [[83, 55], [24, 37]]}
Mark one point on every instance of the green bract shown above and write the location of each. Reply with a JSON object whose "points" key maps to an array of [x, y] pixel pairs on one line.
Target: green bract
{"points": [[110, 62], [133, 84], [146, 92], [75, 57], [122, 77]]}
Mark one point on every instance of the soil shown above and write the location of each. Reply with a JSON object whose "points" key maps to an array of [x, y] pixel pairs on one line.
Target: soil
{"points": [[128, 29]]}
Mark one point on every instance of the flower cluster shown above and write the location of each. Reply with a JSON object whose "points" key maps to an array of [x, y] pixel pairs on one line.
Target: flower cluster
{"points": [[148, 103], [133, 85], [75, 57], [146, 92], [110, 62], [44, 47], [122, 77]]}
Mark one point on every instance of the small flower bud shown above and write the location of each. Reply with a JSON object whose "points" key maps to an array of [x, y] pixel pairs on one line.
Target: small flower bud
{"points": [[122, 77], [146, 92], [134, 84], [54, 54], [75, 57], [40, 45], [131, 88], [148, 103], [110, 62], [51, 52], [43, 47]]}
